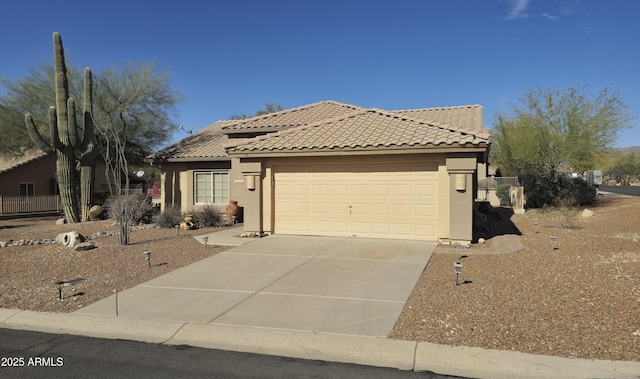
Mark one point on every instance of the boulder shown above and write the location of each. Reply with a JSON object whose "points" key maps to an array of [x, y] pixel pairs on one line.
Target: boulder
{"points": [[587, 213], [61, 221]]}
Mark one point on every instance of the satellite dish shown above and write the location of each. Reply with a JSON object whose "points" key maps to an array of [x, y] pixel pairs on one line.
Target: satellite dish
{"points": [[190, 130], [139, 174]]}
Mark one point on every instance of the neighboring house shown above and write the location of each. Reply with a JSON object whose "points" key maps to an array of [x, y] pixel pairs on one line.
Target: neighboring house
{"points": [[330, 168], [33, 174]]}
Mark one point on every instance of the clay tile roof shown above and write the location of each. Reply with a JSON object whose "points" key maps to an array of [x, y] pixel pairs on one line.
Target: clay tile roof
{"points": [[205, 144], [366, 128], [467, 118], [291, 118], [8, 164]]}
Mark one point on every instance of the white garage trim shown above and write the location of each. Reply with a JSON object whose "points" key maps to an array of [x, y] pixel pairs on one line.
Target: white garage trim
{"points": [[398, 200]]}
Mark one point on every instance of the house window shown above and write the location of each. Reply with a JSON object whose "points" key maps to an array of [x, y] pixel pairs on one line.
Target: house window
{"points": [[27, 189], [211, 187]]}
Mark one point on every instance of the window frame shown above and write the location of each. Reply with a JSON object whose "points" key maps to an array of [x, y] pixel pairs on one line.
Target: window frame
{"points": [[27, 186], [212, 174]]}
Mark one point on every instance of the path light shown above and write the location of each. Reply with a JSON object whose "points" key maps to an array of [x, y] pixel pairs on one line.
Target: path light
{"points": [[177, 229], [458, 247], [205, 239], [59, 284], [147, 256], [458, 267], [554, 239], [535, 227]]}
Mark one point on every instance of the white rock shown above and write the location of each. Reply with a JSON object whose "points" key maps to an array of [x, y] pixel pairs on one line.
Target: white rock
{"points": [[587, 213], [61, 221]]}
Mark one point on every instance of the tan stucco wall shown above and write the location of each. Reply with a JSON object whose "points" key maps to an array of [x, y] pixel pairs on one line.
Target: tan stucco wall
{"points": [[176, 184]]}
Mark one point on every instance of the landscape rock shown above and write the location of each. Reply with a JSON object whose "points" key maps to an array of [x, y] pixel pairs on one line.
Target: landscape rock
{"points": [[587, 213], [85, 246], [61, 221]]}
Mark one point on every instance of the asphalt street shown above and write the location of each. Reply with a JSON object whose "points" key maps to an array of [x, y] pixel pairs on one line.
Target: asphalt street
{"points": [[622, 190], [25, 354]]}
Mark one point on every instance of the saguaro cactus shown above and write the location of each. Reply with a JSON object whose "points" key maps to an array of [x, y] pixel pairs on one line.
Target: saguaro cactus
{"points": [[71, 142]]}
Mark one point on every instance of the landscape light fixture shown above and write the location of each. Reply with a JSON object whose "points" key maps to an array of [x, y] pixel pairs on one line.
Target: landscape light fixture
{"points": [[458, 246], [59, 284], [535, 227], [177, 229], [458, 267], [205, 239], [554, 239], [147, 256]]}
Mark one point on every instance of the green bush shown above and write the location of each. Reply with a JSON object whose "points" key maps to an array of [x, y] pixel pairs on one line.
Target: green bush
{"points": [[169, 218], [544, 189], [208, 216], [504, 194]]}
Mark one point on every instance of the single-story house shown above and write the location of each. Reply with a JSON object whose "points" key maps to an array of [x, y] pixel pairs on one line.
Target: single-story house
{"points": [[336, 169], [34, 174]]}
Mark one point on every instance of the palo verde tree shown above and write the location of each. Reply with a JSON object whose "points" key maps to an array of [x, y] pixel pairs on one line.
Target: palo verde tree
{"points": [[268, 108], [554, 126], [70, 140]]}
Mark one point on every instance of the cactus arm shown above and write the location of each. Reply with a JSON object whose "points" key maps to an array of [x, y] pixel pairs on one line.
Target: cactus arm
{"points": [[89, 125], [53, 129], [62, 88], [36, 137], [72, 126]]}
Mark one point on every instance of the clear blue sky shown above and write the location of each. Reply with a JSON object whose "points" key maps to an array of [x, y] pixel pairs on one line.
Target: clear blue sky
{"points": [[231, 57]]}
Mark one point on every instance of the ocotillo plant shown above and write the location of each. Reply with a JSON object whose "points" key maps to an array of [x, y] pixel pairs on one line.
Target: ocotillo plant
{"points": [[70, 141]]}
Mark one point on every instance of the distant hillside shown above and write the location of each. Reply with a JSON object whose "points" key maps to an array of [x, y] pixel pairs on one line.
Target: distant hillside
{"points": [[635, 149]]}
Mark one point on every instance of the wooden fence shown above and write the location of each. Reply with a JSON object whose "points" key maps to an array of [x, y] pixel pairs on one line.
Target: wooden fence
{"points": [[22, 205]]}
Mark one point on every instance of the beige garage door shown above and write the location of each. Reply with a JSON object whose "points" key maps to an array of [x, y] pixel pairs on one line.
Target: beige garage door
{"points": [[380, 201]]}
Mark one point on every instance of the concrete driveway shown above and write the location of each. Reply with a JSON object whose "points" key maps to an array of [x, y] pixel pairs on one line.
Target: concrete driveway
{"points": [[354, 286]]}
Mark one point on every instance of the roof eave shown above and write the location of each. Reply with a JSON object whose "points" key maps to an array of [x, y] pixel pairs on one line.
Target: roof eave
{"points": [[378, 150]]}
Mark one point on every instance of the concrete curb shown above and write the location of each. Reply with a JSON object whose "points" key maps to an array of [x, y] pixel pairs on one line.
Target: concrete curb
{"points": [[371, 351]]}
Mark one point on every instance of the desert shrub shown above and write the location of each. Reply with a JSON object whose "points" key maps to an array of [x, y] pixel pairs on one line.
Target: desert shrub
{"points": [[138, 207], [208, 216], [579, 192], [169, 218], [547, 188], [504, 194]]}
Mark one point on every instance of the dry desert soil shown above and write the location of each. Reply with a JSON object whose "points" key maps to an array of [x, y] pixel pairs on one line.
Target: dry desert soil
{"points": [[581, 300]]}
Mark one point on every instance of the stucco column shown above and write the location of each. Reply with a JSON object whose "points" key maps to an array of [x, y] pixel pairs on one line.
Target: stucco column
{"points": [[251, 196], [461, 196]]}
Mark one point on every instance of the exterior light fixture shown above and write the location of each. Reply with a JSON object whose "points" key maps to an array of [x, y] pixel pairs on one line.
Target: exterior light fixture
{"points": [[205, 239], [177, 229], [554, 240], [59, 284], [458, 246], [147, 256], [458, 268], [535, 227]]}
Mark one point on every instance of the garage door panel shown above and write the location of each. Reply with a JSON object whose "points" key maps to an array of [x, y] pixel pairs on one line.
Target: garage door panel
{"points": [[387, 201]]}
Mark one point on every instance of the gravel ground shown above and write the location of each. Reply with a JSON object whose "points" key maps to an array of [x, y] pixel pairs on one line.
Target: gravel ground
{"points": [[579, 301], [27, 273]]}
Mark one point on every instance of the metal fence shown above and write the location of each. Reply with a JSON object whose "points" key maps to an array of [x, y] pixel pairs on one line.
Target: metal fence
{"points": [[14, 205], [495, 182]]}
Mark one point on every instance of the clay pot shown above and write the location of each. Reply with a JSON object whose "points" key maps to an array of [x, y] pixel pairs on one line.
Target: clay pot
{"points": [[232, 211], [188, 218]]}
